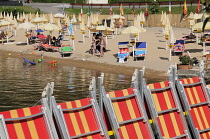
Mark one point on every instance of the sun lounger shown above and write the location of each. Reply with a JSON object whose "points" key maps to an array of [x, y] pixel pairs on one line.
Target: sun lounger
{"points": [[195, 98], [67, 49], [206, 49], [48, 47], [166, 111], [178, 47], [125, 111], [123, 53], [27, 123], [140, 50], [79, 119], [27, 61]]}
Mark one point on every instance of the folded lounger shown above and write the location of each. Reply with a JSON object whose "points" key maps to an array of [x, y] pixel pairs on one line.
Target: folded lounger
{"points": [[79, 119], [27, 123], [166, 111], [127, 115], [195, 98], [138, 52]]}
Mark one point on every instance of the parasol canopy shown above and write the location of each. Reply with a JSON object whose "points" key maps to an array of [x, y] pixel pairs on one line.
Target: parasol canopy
{"points": [[49, 26], [100, 28], [59, 15], [116, 17], [199, 26], [4, 23], [26, 25], [131, 30]]}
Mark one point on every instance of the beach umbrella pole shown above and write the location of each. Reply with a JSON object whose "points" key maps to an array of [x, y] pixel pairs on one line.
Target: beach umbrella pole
{"points": [[27, 41], [7, 39], [166, 44], [75, 28], [88, 33], [83, 38], [197, 38], [73, 45], [170, 54], [106, 39]]}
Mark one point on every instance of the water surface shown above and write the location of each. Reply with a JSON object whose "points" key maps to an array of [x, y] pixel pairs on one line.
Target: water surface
{"points": [[21, 86]]}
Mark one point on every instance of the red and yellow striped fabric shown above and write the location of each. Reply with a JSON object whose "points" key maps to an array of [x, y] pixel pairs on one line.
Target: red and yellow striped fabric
{"points": [[127, 109], [200, 114], [170, 123], [81, 121], [32, 128]]}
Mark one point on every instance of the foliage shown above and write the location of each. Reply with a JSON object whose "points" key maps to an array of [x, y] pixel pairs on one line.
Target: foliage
{"points": [[185, 60], [154, 7]]}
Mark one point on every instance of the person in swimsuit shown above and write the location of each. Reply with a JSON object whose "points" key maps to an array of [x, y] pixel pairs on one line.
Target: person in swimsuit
{"points": [[94, 44], [102, 44]]}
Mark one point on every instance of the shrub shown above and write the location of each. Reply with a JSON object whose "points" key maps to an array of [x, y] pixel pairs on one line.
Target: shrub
{"points": [[185, 60]]}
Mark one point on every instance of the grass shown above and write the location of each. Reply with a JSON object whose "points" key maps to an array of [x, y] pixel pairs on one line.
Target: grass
{"points": [[175, 10]]}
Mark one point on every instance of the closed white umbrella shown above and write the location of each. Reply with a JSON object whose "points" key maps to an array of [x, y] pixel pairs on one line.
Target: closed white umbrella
{"points": [[172, 40]]}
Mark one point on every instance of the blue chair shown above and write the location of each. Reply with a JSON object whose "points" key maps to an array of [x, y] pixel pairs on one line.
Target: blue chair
{"points": [[140, 50]]}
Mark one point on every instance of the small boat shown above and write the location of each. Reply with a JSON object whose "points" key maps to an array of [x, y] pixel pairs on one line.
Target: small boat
{"points": [[27, 61]]}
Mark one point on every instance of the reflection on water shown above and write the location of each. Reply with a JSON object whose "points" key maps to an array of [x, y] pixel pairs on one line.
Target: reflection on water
{"points": [[21, 86]]}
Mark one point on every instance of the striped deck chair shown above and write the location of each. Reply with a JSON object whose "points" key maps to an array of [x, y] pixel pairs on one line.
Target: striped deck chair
{"points": [[166, 111], [195, 97], [127, 115], [79, 119], [27, 123]]}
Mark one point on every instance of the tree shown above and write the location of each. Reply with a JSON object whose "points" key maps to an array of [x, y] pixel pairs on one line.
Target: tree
{"points": [[154, 7]]}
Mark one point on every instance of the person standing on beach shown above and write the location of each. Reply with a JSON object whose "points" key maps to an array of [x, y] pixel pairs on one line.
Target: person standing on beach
{"points": [[93, 44], [102, 44], [2, 36]]}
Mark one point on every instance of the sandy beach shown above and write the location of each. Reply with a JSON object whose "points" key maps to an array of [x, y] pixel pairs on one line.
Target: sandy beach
{"points": [[156, 61]]}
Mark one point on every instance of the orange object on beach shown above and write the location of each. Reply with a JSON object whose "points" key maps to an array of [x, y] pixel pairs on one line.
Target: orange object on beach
{"points": [[53, 62], [32, 53]]}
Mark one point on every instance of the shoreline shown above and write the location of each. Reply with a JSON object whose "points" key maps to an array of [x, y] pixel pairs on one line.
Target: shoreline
{"points": [[156, 62], [90, 65]]}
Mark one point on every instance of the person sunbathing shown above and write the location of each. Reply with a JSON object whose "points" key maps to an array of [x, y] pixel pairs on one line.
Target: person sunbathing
{"points": [[207, 39], [191, 36]]}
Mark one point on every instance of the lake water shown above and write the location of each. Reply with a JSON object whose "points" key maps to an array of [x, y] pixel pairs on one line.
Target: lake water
{"points": [[21, 86]]}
